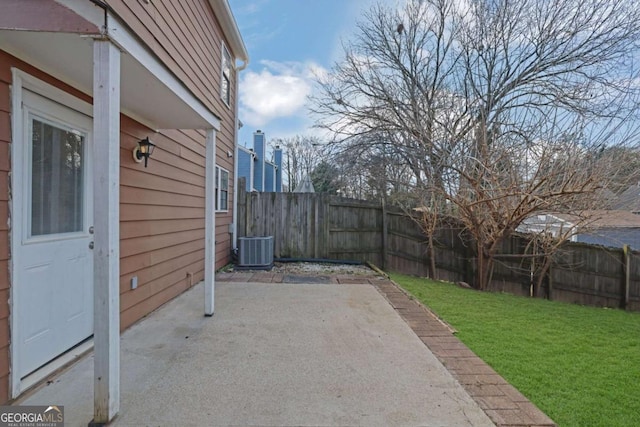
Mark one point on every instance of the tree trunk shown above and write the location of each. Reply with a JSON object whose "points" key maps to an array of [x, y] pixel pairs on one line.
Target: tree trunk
{"points": [[432, 258], [542, 274], [480, 273], [485, 268]]}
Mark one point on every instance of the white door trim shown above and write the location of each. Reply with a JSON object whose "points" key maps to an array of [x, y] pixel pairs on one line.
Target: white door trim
{"points": [[20, 82]]}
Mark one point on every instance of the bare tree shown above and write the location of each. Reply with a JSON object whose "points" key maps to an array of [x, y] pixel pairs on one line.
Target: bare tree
{"points": [[388, 99], [501, 109], [301, 155], [546, 73], [626, 173], [371, 169]]}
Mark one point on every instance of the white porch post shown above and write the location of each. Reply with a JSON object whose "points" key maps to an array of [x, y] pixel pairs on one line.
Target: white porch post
{"points": [[106, 208], [210, 224]]}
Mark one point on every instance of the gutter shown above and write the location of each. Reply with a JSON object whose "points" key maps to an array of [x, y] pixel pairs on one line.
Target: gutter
{"points": [[234, 240], [230, 28]]}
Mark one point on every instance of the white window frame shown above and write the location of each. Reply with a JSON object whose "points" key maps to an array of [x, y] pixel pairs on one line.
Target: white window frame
{"points": [[57, 121], [218, 193], [225, 59]]}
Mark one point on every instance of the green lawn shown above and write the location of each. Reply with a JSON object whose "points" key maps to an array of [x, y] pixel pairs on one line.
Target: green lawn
{"points": [[580, 365]]}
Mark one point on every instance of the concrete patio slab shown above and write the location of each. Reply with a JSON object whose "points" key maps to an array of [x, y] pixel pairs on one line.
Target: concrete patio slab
{"points": [[274, 355]]}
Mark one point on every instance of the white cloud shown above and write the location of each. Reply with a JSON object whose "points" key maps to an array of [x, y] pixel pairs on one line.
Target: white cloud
{"points": [[251, 7], [279, 90]]}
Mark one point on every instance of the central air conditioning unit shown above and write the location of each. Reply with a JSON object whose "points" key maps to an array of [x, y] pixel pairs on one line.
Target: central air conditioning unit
{"points": [[255, 253]]}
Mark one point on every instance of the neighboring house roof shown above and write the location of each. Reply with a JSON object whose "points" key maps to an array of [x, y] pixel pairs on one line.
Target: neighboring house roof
{"points": [[608, 197], [594, 219], [602, 227], [247, 150], [305, 186], [628, 200], [598, 218], [547, 222]]}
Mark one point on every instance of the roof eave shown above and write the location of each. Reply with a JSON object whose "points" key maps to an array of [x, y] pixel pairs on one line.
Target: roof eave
{"points": [[230, 29]]}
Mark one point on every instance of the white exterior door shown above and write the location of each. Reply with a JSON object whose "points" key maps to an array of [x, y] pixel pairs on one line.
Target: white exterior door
{"points": [[53, 276]]}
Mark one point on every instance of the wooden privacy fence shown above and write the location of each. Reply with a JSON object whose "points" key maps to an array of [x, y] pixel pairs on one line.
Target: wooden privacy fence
{"points": [[307, 225], [320, 226]]}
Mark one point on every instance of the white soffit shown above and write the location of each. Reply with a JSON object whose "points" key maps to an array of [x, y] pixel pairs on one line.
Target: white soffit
{"points": [[149, 92], [230, 28]]}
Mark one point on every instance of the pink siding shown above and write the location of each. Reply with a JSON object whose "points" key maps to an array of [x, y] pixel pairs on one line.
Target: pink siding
{"points": [[162, 214], [186, 36], [5, 137]]}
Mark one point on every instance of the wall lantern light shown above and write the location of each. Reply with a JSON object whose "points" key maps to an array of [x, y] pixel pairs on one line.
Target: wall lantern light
{"points": [[143, 150]]}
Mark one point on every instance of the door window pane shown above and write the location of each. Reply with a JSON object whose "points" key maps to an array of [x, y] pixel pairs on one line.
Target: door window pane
{"points": [[57, 184]]}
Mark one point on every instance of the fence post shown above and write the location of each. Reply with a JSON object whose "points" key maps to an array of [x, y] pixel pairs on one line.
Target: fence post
{"points": [[427, 260], [326, 227], [467, 253], [241, 220], [247, 214], [549, 283], [384, 235], [316, 226], [626, 281]]}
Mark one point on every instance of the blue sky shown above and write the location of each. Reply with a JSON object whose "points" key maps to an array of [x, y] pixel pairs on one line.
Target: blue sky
{"points": [[288, 42]]}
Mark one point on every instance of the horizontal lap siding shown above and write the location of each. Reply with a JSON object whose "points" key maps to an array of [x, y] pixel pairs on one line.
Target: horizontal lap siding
{"points": [[162, 213], [187, 38], [5, 137], [161, 219], [162, 33]]}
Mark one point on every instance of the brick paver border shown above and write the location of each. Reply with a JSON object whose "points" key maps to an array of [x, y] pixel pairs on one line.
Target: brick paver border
{"points": [[502, 402]]}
